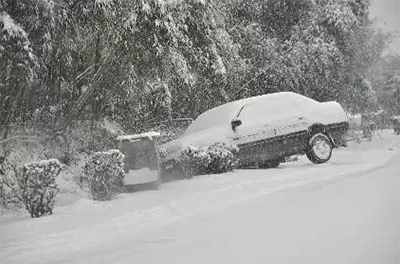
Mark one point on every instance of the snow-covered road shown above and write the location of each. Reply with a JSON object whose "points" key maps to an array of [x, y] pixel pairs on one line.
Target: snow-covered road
{"points": [[344, 211]]}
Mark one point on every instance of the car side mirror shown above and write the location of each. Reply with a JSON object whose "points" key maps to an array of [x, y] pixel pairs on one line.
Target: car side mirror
{"points": [[235, 123]]}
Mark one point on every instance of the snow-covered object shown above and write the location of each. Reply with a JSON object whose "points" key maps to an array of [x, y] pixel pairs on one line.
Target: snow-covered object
{"points": [[9, 190], [262, 117], [140, 176], [141, 162], [39, 187], [150, 135], [104, 174]]}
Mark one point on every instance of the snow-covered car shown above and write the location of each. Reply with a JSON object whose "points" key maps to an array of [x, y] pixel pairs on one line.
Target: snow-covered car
{"points": [[268, 128]]}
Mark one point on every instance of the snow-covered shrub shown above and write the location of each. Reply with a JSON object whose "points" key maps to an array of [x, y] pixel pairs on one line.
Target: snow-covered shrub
{"points": [[222, 158], [193, 161], [217, 158], [104, 174], [9, 188], [38, 186], [9, 192]]}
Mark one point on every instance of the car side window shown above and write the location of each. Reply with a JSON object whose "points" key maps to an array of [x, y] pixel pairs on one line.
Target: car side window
{"points": [[258, 112]]}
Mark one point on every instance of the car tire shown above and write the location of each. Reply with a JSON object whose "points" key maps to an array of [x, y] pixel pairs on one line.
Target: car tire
{"points": [[319, 149], [268, 164]]}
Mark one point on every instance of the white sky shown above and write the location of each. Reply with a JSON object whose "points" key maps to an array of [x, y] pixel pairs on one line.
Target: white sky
{"points": [[387, 14]]}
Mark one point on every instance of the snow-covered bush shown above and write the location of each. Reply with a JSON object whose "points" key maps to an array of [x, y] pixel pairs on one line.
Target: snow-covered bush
{"points": [[104, 174], [9, 188], [222, 158], [9, 192], [193, 161], [217, 158], [38, 186]]}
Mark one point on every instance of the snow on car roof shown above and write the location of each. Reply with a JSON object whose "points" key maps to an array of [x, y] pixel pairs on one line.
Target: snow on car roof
{"points": [[149, 135], [225, 112], [270, 96]]}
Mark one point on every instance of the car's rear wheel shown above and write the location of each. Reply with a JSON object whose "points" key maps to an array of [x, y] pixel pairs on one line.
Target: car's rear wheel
{"points": [[319, 148]]}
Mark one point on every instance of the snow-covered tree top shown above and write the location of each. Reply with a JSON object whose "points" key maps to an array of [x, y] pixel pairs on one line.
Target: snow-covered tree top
{"points": [[104, 3], [12, 29]]}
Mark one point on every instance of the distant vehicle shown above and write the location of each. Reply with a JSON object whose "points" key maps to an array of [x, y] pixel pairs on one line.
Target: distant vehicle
{"points": [[269, 128]]}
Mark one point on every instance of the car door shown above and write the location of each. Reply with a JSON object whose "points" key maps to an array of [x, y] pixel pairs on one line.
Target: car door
{"points": [[270, 129], [255, 125], [292, 124], [256, 131]]}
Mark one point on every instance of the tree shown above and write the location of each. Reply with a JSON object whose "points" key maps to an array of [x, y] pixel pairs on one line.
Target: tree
{"points": [[315, 52], [385, 81], [67, 60], [16, 70]]}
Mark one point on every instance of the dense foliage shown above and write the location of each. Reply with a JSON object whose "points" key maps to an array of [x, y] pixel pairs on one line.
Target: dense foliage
{"points": [[10, 193], [143, 62], [385, 79], [104, 174], [38, 186]]}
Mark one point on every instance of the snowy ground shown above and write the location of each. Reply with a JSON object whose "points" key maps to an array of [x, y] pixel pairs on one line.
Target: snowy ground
{"points": [[345, 211]]}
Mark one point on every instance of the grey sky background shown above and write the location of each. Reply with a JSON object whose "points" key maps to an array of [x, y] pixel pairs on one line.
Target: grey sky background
{"points": [[387, 15]]}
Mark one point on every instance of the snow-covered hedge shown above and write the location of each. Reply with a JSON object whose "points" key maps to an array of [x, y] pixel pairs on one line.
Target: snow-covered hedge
{"points": [[217, 158], [38, 186], [8, 182], [9, 192], [222, 158], [104, 174]]}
